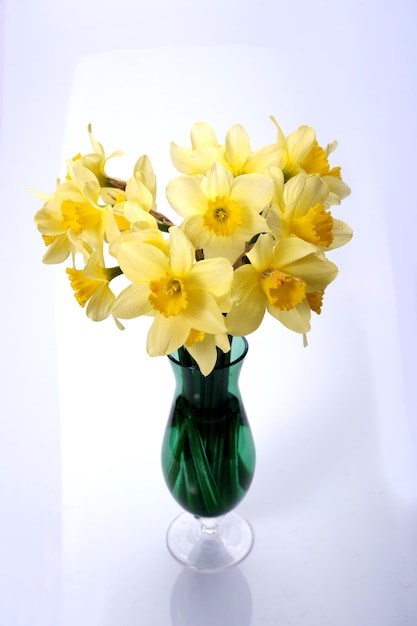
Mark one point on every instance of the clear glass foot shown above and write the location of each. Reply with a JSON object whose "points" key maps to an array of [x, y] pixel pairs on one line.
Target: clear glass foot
{"points": [[210, 544]]}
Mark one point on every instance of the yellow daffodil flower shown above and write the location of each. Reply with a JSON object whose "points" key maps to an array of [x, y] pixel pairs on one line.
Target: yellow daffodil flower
{"points": [[141, 187], [179, 293], [235, 155], [74, 209], [299, 208], [91, 285], [278, 280], [221, 212], [133, 206], [68, 210], [300, 152], [96, 161], [205, 150]]}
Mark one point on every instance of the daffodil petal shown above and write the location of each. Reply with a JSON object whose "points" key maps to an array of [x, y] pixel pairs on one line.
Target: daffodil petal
{"points": [[57, 251], [253, 190], [245, 278], [297, 319], [260, 160], [143, 171], [101, 303], [133, 302], [277, 176], [342, 234], [246, 316], [182, 252], [110, 224], [252, 224], [217, 183], [237, 148], [300, 142], [276, 222], [182, 159], [290, 250], [141, 261], [49, 220], [166, 335], [315, 271], [135, 214], [302, 192], [261, 254], [203, 313], [215, 275], [222, 342], [202, 135], [205, 353], [192, 162], [338, 189], [137, 191], [195, 231], [229, 248], [185, 196]]}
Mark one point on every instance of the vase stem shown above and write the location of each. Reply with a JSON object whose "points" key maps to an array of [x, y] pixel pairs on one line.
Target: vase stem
{"points": [[209, 526], [210, 548]]}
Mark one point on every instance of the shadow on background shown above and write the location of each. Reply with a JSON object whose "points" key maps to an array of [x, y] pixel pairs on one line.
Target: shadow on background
{"points": [[223, 598]]}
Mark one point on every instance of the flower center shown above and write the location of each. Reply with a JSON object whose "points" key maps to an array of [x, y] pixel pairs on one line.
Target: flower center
{"points": [[83, 286], [291, 169], [168, 295], [316, 161], [48, 239], [79, 216], [222, 217], [315, 300], [195, 336], [283, 291], [315, 227]]}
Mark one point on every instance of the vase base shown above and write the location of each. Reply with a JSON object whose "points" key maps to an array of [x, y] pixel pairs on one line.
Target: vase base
{"points": [[210, 544]]}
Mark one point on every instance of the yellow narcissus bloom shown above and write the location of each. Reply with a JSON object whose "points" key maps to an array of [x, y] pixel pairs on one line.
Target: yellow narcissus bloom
{"points": [[221, 213], [299, 208], [73, 211], [300, 152], [64, 209], [286, 279], [236, 155], [205, 150], [96, 161], [178, 292], [134, 205], [140, 189], [91, 285], [143, 172]]}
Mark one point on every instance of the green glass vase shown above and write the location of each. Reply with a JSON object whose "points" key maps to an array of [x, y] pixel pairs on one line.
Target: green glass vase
{"points": [[208, 461]]}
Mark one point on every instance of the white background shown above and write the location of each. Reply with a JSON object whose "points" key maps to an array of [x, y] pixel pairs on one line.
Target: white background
{"points": [[334, 503]]}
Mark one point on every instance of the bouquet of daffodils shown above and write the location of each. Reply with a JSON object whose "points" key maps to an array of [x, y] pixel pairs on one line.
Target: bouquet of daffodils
{"points": [[252, 237]]}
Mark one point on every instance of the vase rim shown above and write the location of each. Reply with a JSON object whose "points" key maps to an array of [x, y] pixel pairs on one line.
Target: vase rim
{"points": [[239, 358]]}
